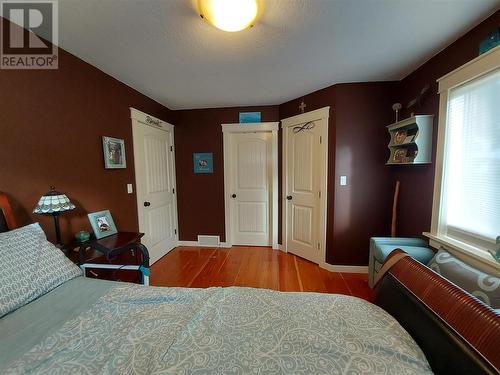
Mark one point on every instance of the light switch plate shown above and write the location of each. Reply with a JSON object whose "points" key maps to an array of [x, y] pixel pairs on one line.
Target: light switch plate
{"points": [[343, 180], [130, 189]]}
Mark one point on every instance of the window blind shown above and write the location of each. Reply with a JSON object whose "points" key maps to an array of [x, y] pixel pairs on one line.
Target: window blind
{"points": [[471, 184]]}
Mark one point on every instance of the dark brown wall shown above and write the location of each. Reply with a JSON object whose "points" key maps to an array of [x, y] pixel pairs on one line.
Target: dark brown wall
{"points": [[358, 149], [200, 198], [51, 123], [417, 182], [362, 208]]}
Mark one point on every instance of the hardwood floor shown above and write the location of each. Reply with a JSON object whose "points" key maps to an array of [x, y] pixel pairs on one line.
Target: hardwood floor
{"points": [[258, 267]]}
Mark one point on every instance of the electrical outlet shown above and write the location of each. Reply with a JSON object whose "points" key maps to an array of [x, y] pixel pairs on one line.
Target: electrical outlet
{"points": [[130, 189], [343, 180]]}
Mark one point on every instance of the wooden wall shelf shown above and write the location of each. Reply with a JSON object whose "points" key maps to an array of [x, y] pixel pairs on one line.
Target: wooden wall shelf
{"points": [[411, 141]]}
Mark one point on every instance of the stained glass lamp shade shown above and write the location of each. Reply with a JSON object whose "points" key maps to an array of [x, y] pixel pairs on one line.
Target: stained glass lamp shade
{"points": [[53, 203]]}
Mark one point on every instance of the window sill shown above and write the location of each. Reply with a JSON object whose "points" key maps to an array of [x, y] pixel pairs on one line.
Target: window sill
{"points": [[470, 253]]}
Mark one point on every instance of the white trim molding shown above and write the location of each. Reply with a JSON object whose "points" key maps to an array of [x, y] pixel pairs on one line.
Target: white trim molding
{"points": [[256, 127], [481, 260], [478, 67], [262, 127], [316, 115], [343, 268], [146, 119], [197, 244]]}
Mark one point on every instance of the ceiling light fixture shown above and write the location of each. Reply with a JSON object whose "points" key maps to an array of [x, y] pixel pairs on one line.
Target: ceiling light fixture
{"points": [[230, 15]]}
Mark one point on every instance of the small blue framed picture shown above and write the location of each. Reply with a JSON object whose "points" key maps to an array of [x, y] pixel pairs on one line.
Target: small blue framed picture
{"points": [[249, 117], [102, 224], [203, 162]]}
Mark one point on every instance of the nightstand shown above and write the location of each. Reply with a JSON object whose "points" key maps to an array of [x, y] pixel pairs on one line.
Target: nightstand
{"points": [[116, 257]]}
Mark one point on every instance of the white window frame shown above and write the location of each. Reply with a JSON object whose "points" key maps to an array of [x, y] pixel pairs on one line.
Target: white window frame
{"points": [[478, 67]]}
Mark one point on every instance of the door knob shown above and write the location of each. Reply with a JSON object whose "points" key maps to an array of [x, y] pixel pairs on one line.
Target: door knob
{"points": [[147, 204], [233, 196], [289, 197]]}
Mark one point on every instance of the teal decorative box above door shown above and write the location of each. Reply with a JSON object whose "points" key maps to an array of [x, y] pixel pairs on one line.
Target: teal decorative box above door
{"points": [[250, 117], [491, 41]]}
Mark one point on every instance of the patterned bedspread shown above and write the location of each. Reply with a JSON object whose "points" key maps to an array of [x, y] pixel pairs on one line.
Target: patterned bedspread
{"points": [[140, 330]]}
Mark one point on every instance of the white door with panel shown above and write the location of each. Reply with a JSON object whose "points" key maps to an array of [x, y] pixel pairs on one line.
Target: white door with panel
{"points": [[305, 187], [250, 188], [155, 183]]}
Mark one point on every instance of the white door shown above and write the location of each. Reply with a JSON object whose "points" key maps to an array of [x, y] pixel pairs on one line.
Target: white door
{"points": [[155, 185], [250, 178], [305, 176]]}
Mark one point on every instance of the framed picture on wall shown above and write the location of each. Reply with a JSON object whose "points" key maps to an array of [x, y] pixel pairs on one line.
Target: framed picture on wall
{"points": [[114, 153], [203, 162], [400, 137], [102, 224], [400, 155]]}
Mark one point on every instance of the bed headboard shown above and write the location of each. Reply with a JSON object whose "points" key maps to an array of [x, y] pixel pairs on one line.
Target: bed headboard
{"points": [[7, 221], [457, 333]]}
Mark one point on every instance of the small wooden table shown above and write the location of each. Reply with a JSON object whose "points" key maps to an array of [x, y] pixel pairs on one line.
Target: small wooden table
{"points": [[111, 247]]}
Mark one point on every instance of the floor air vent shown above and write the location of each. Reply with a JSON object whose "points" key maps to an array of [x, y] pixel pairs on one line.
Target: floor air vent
{"points": [[208, 240]]}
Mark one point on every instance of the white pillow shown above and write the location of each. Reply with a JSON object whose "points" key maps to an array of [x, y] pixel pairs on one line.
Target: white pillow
{"points": [[30, 266]]}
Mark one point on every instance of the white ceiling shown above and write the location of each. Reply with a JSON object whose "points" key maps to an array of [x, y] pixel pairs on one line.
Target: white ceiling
{"points": [[163, 49]]}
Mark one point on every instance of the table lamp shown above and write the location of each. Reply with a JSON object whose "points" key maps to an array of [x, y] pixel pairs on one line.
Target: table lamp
{"points": [[53, 203]]}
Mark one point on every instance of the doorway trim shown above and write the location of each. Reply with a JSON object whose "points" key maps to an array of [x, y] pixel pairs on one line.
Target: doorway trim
{"points": [[261, 127], [318, 114], [144, 119]]}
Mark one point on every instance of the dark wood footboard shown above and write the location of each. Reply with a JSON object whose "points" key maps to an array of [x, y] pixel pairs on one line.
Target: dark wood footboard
{"points": [[7, 221], [457, 333]]}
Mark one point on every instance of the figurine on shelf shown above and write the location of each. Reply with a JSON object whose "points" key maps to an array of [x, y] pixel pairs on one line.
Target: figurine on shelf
{"points": [[396, 107]]}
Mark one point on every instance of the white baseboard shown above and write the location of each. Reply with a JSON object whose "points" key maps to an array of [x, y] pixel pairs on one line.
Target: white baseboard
{"points": [[342, 268], [225, 245], [188, 243], [196, 244]]}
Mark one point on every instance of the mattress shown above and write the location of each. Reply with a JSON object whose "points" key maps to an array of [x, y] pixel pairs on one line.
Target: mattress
{"points": [[93, 326], [27, 326]]}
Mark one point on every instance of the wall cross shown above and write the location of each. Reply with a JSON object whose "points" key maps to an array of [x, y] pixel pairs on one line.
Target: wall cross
{"points": [[302, 106]]}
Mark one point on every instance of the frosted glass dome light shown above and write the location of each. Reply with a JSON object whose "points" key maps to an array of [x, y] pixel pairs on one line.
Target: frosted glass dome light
{"points": [[229, 15]]}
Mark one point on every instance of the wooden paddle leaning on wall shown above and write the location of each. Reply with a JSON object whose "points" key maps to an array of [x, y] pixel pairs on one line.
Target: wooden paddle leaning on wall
{"points": [[395, 210]]}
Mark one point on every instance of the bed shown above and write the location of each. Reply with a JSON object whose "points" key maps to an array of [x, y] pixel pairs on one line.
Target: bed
{"points": [[82, 325]]}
